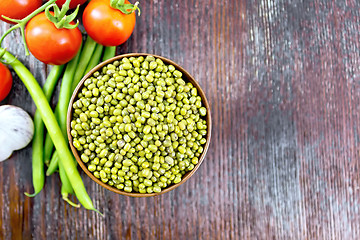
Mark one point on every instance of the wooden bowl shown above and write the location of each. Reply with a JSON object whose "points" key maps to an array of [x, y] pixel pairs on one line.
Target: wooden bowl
{"points": [[187, 77]]}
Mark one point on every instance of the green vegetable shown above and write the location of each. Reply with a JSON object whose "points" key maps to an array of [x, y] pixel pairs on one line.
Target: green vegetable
{"points": [[66, 187], [52, 126], [38, 140], [64, 97], [66, 91], [59, 18], [48, 147], [53, 165], [109, 53], [144, 128], [86, 53], [95, 59]]}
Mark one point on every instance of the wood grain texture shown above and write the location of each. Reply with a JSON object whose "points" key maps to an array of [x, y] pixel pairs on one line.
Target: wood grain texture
{"points": [[283, 81]]}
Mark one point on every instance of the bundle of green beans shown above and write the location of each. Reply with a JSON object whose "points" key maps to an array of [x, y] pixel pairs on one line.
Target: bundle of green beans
{"points": [[53, 128], [138, 126], [86, 59]]}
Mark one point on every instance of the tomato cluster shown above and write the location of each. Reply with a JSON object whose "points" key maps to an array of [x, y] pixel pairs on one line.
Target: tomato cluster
{"points": [[106, 25]]}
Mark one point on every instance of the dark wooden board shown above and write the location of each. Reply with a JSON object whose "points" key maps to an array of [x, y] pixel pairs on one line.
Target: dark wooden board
{"points": [[283, 81]]}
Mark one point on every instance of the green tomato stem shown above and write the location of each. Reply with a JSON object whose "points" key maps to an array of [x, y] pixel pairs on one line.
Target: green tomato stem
{"points": [[59, 17], [125, 7], [22, 23]]}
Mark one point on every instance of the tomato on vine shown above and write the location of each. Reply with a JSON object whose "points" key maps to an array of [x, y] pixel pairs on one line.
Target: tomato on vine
{"points": [[110, 23], [50, 44], [17, 9], [52, 37], [5, 81]]}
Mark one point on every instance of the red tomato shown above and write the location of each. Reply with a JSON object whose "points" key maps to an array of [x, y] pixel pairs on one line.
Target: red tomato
{"points": [[18, 9], [49, 44], [106, 25], [5, 81], [73, 3]]}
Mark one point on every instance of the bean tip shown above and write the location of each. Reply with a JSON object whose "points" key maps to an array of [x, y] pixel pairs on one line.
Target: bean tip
{"points": [[97, 211], [31, 195], [66, 199]]}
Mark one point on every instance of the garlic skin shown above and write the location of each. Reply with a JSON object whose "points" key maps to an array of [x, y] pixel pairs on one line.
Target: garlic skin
{"points": [[16, 130]]}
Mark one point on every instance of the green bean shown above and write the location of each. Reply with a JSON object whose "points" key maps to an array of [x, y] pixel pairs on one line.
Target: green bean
{"points": [[38, 140], [54, 163], [95, 59], [64, 95], [66, 187], [86, 53], [109, 53], [52, 126], [48, 147], [65, 90]]}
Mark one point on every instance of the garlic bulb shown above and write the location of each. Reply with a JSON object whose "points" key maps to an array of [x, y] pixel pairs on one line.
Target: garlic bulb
{"points": [[16, 130]]}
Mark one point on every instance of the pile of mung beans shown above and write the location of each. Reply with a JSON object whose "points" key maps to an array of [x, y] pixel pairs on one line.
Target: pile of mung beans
{"points": [[138, 126]]}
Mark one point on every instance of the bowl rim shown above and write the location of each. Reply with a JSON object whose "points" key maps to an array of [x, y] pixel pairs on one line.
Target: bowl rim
{"points": [[189, 78]]}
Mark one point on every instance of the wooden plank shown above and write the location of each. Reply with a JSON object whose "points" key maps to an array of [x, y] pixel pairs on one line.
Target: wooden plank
{"points": [[282, 79]]}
